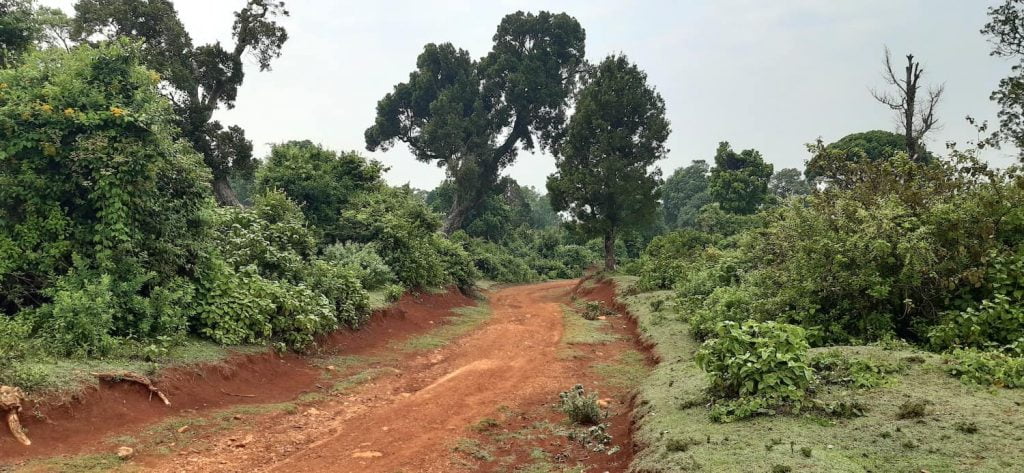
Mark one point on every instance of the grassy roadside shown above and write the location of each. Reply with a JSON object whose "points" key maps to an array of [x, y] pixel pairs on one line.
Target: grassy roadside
{"points": [[960, 428]]}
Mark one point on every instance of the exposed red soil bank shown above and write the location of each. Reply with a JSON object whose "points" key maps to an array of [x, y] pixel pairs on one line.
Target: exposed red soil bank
{"points": [[79, 425]]}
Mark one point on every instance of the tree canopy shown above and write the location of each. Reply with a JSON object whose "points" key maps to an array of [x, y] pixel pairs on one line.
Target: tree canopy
{"points": [[684, 193], [739, 181], [198, 79], [618, 131], [473, 116]]}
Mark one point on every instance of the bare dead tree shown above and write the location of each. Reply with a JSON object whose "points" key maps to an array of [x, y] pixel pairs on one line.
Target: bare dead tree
{"points": [[915, 114]]}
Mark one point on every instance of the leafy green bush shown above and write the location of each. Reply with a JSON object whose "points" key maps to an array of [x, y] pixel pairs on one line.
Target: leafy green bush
{"points": [[668, 256], [393, 292], [834, 367], [580, 407], [363, 258], [323, 182], [101, 210], [754, 367], [987, 368], [998, 321]]}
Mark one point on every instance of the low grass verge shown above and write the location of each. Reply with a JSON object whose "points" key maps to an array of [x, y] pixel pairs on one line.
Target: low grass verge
{"points": [[580, 331], [466, 319], [963, 429]]}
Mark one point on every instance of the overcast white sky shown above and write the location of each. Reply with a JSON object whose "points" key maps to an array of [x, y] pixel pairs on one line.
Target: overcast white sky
{"points": [[766, 75]]}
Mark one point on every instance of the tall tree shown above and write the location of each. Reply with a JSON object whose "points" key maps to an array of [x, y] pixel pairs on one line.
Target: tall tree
{"points": [[1005, 30], [914, 113], [472, 116], [197, 79], [739, 181], [604, 178], [684, 193], [788, 182], [19, 30]]}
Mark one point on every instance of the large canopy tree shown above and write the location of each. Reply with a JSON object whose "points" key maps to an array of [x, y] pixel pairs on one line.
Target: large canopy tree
{"points": [[197, 79], [739, 181], [618, 131], [829, 161], [472, 116]]}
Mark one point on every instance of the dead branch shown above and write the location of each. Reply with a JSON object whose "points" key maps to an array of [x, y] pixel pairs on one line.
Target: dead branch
{"points": [[118, 376], [237, 395], [10, 402]]}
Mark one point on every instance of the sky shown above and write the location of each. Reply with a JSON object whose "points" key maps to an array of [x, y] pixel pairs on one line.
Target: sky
{"points": [[771, 76]]}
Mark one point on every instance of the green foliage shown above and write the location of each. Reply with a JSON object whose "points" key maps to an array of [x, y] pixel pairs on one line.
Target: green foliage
{"points": [[321, 181], [91, 179], [834, 367], [669, 256], [998, 321], [831, 162], [581, 407], [987, 368], [364, 259], [755, 367], [473, 116], [19, 30], [739, 181], [616, 134], [788, 182], [200, 79], [684, 193], [403, 228]]}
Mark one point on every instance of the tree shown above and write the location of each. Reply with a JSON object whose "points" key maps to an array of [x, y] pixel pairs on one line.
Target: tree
{"points": [[788, 182], [829, 161], [541, 214], [197, 79], [1005, 31], [19, 30], [739, 181], [684, 193], [472, 117], [618, 131], [321, 181], [916, 117]]}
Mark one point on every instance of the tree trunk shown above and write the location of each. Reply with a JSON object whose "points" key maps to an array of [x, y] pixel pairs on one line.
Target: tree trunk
{"points": [[609, 250], [224, 193], [456, 216]]}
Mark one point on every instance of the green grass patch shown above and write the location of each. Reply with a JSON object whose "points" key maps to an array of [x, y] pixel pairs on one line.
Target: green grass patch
{"points": [[627, 371], [360, 378], [474, 449], [579, 331], [91, 463], [465, 320], [672, 407], [64, 377]]}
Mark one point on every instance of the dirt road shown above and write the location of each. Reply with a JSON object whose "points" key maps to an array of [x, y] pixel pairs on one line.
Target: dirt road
{"points": [[481, 403]]}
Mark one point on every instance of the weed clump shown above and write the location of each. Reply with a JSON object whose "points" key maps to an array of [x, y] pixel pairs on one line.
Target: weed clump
{"points": [[580, 407], [967, 427], [913, 409]]}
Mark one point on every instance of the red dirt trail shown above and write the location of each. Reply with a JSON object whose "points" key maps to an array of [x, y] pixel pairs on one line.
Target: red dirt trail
{"points": [[511, 368]]}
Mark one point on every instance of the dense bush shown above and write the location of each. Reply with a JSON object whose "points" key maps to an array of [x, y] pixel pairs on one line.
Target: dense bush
{"points": [[321, 181], [988, 368], [101, 210], [755, 367], [668, 257], [364, 259], [908, 247]]}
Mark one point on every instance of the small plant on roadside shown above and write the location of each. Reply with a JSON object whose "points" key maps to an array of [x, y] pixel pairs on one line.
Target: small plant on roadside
{"points": [[592, 310], [580, 407], [833, 367], [393, 292], [755, 368]]}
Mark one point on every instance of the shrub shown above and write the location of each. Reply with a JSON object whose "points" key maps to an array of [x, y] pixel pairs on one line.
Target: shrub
{"points": [[912, 409], [834, 367], [998, 321], [90, 167], [987, 368], [760, 365], [341, 286], [580, 407], [393, 292], [373, 272]]}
